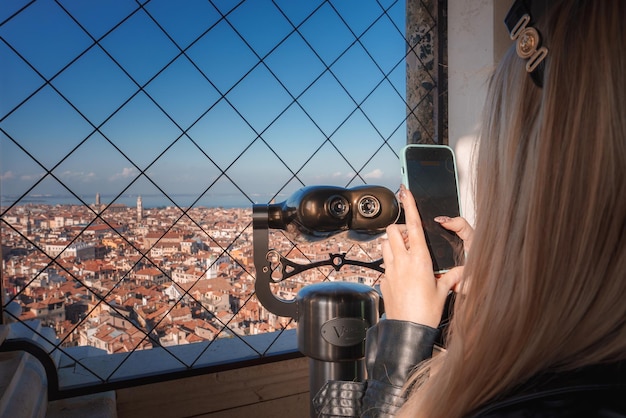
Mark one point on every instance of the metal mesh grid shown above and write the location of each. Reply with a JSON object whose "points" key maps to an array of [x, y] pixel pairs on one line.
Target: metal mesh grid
{"points": [[280, 83]]}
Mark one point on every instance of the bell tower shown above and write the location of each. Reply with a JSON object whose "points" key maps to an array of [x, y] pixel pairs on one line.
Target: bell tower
{"points": [[139, 209]]}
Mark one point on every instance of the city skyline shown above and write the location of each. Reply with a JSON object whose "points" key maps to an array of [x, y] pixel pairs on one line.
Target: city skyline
{"points": [[204, 103]]}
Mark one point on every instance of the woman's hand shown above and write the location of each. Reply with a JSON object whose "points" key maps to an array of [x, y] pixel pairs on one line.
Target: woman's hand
{"points": [[410, 289], [463, 229]]}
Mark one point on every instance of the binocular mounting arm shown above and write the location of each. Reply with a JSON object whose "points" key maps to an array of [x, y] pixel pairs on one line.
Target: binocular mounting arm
{"points": [[260, 237]]}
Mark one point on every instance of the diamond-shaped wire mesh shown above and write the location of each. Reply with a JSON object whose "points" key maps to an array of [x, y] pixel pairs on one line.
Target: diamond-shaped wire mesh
{"points": [[200, 108]]}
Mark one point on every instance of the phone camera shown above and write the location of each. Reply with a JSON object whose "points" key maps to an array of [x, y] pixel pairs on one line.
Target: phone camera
{"points": [[369, 206], [338, 206]]}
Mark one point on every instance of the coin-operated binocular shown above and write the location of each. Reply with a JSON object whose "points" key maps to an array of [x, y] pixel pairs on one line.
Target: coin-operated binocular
{"points": [[332, 317], [318, 212]]}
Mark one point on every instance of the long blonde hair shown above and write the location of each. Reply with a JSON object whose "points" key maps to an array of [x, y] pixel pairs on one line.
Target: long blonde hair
{"points": [[546, 274]]}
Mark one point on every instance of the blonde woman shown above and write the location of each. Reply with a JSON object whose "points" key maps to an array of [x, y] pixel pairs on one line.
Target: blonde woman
{"points": [[539, 324]]}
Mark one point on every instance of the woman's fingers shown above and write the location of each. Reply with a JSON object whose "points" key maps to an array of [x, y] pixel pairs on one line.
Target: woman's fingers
{"points": [[415, 231], [459, 226], [450, 279], [395, 237]]}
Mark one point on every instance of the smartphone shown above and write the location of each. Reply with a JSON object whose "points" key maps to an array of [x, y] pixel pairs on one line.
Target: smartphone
{"points": [[429, 172]]}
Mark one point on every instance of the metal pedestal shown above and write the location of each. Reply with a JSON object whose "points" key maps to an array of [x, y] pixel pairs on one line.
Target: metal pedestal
{"points": [[333, 318]]}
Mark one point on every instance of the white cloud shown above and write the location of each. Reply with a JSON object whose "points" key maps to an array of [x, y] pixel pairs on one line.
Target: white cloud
{"points": [[30, 177], [8, 175], [126, 173], [375, 174], [81, 175]]}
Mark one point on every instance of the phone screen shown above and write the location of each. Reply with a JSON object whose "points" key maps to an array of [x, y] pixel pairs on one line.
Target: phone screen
{"points": [[430, 173]]}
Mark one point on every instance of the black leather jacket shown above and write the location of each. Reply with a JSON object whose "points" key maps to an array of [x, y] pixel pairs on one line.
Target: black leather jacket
{"points": [[393, 348]]}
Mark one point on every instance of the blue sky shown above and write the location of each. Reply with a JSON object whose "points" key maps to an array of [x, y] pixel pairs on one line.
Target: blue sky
{"points": [[208, 99]]}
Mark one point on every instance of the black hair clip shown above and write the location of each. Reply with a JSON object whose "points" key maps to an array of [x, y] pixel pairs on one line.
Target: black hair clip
{"points": [[519, 22]]}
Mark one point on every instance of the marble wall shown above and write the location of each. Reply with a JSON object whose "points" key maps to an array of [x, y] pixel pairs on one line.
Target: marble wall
{"points": [[426, 71]]}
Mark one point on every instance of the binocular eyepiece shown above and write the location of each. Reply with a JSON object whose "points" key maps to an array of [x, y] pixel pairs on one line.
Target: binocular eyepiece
{"points": [[368, 206], [318, 212]]}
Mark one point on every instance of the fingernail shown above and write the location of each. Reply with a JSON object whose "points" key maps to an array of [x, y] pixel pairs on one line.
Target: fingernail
{"points": [[442, 219]]}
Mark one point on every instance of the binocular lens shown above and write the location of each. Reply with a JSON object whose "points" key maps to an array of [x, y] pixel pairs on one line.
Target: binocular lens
{"points": [[369, 206], [338, 206]]}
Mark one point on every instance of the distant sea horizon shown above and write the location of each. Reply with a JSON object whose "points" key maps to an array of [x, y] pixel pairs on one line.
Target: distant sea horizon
{"points": [[149, 201]]}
